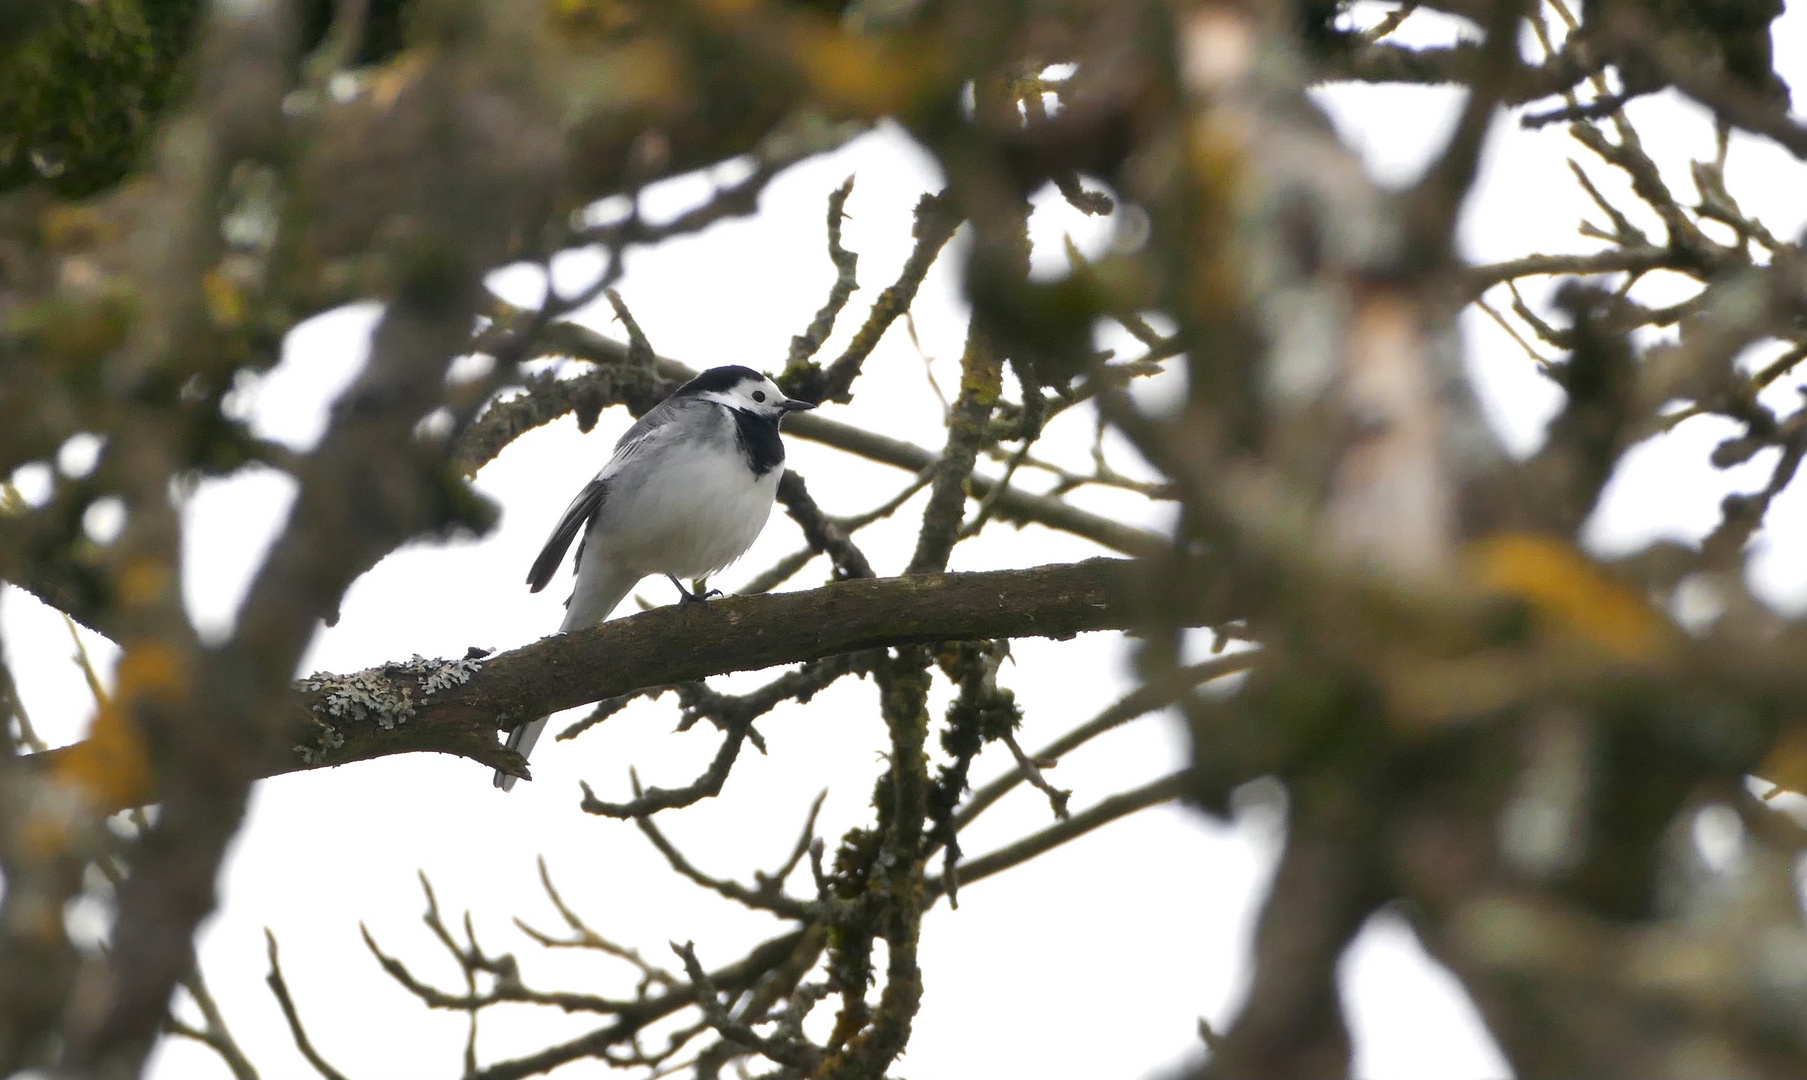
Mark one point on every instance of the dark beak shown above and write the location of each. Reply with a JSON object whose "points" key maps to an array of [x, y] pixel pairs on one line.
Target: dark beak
{"points": [[791, 405]]}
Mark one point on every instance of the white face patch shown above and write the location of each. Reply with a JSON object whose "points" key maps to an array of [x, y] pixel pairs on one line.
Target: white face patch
{"points": [[758, 396]]}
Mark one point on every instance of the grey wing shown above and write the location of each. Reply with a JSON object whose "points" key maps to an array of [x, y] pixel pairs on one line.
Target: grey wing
{"points": [[647, 433], [654, 427], [577, 516]]}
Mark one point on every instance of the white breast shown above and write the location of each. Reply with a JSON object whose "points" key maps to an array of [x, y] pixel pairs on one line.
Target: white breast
{"points": [[702, 511]]}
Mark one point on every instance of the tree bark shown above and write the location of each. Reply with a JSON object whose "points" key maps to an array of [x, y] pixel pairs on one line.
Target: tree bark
{"points": [[387, 711]]}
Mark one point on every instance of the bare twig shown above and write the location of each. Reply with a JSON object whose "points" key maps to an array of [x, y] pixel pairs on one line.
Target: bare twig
{"points": [[797, 1054], [214, 1034], [767, 897], [1390, 22], [1106, 811], [281, 989], [935, 224], [805, 345], [1138, 703], [1031, 772]]}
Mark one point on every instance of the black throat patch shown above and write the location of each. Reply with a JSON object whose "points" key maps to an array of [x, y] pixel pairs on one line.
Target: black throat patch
{"points": [[759, 441]]}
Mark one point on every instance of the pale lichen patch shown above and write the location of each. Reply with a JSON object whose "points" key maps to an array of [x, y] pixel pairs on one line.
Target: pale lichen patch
{"points": [[436, 675], [362, 695], [385, 695]]}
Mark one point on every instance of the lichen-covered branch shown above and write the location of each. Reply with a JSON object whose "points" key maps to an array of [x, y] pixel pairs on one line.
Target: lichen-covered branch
{"points": [[387, 711]]}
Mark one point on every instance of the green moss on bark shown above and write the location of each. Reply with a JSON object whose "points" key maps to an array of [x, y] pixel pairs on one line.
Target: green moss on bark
{"points": [[82, 90]]}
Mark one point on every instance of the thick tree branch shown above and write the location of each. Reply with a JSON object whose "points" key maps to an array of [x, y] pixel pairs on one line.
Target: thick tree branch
{"points": [[673, 645]]}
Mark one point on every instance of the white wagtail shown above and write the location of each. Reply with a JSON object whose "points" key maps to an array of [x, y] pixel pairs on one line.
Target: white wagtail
{"points": [[687, 492]]}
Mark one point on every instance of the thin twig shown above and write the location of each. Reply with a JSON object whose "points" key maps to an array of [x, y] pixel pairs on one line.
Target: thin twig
{"points": [[935, 225], [1389, 24], [768, 897], [1031, 772], [214, 1035], [805, 345], [1512, 331], [798, 1055], [1106, 811], [1139, 702], [281, 989]]}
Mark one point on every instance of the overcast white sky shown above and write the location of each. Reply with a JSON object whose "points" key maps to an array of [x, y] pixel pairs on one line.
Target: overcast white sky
{"points": [[1096, 959]]}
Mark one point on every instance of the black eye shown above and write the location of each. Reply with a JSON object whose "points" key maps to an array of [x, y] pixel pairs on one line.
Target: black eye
{"points": [[759, 395]]}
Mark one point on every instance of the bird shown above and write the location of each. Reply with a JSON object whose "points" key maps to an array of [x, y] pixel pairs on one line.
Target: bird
{"points": [[686, 492]]}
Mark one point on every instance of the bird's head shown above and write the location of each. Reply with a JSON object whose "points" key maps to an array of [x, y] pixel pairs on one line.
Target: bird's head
{"points": [[744, 389]]}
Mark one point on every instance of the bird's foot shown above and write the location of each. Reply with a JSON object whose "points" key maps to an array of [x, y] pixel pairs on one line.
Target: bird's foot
{"points": [[687, 597]]}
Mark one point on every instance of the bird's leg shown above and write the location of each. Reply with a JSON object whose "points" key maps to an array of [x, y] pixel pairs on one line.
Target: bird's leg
{"points": [[686, 597]]}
